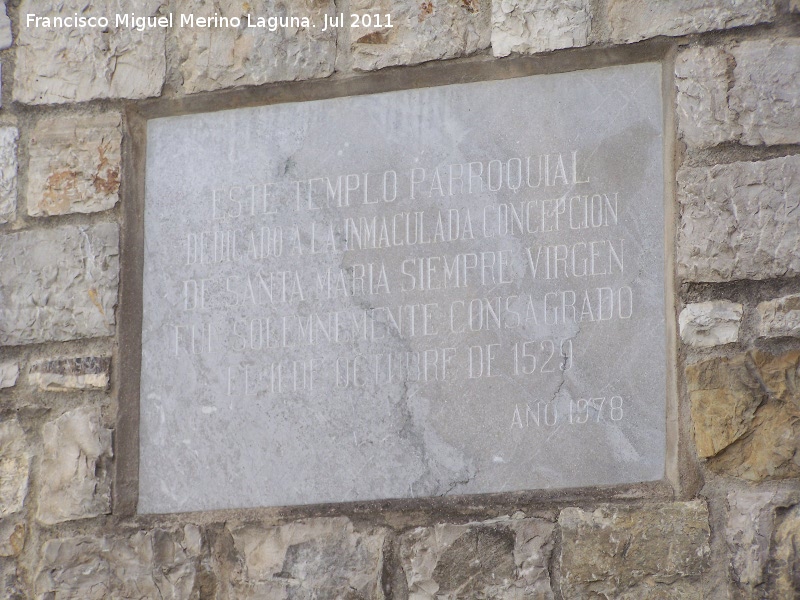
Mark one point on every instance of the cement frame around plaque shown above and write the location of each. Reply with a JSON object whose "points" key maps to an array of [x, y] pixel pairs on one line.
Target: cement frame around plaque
{"points": [[678, 467]]}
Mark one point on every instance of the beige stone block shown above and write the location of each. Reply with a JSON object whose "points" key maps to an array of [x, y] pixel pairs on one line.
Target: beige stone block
{"points": [[421, 31], [58, 284], [8, 173], [66, 374], [304, 559], [746, 414], [57, 65], [213, 58], [766, 91], [132, 564], [779, 317], [739, 220], [74, 165], [501, 559], [75, 482], [528, 27], [634, 20], [14, 467], [708, 324], [651, 551]]}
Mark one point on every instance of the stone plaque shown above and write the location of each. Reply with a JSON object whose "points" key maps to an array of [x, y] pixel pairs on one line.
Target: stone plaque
{"points": [[440, 291]]}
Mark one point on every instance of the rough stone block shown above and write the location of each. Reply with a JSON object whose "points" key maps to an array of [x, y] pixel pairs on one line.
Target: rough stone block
{"points": [[746, 414], [633, 20], [422, 31], [739, 220], [539, 26], [58, 284], [779, 317], [75, 479], [65, 374], [8, 173], [704, 117], [748, 532], [305, 559], [9, 372], [707, 324], [12, 537], [654, 551], [785, 564], [154, 564], [14, 467], [66, 64], [5, 28], [74, 165], [766, 90], [214, 58], [502, 559]]}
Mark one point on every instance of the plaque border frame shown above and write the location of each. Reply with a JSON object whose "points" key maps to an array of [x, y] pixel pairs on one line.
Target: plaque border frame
{"points": [[681, 472]]}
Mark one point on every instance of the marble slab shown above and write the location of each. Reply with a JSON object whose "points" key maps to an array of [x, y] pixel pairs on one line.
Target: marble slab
{"points": [[441, 291]]}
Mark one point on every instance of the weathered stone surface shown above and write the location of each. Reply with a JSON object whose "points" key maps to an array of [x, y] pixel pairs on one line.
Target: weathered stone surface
{"points": [[64, 374], [632, 20], [5, 27], [704, 117], [14, 466], [74, 165], [12, 536], [779, 317], [58, 284], [58, 65], [738, 221], [10, 582], [9, 372], [214, 58], [422, 31], [317, 558], [134, 565], [653, 551], [785, 564], [539, 26], [8, 173], [502, 559], [74, 470], [746, 414], [707, 324], [748, 533], [766, 91]]}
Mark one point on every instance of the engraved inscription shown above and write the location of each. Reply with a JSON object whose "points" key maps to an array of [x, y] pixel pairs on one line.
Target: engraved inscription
{"points": [[438, 291]]}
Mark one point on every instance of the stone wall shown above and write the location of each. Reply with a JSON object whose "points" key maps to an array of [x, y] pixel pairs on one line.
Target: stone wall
{"points": [[730, 527]]}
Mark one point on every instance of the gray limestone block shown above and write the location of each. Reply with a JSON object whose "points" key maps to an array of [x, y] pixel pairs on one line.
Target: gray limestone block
{"points": [[8, 173], [738, 221], [57, 65], [74, 467], [141, 564], [5, 27], [633, 20], [58, 284], [766, 91], [539, 26], [68, 373], [779, 317], [9, 372], [504, 559], [315, 558], [212, 58], [650, 551], [420, 32], [74, 165], [14, 467], [704, 117], [707, 324]]}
